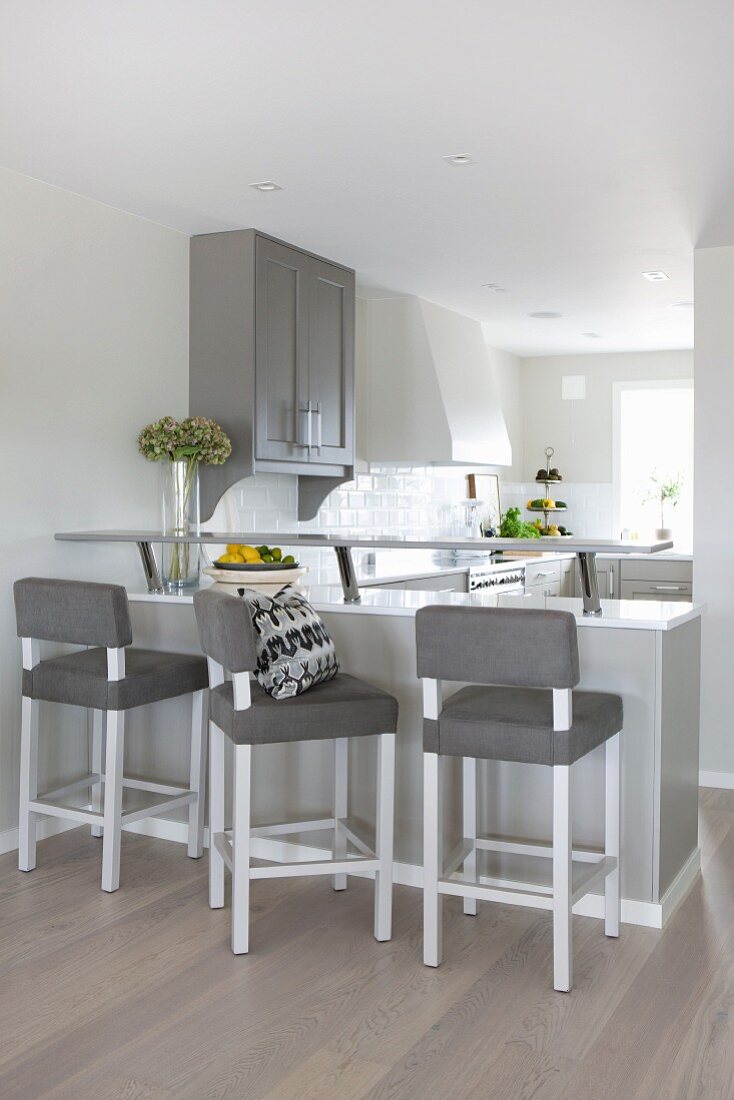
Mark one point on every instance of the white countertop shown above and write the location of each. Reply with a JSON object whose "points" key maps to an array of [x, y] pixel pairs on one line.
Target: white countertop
{"points": [[619, 614], [394, 566]]}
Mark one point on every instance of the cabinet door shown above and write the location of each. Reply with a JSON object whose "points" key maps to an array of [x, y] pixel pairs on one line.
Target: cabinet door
{"points": [[331, 362], [608, 578], [281, 338], [544, 588], [568, 577]]}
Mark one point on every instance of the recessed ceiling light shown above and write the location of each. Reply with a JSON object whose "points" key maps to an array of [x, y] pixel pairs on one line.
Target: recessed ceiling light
{"points": [[266, 185], [459, 160], [655, 276], [592, 335], [545, 315], [681, 305], [495, 288]]}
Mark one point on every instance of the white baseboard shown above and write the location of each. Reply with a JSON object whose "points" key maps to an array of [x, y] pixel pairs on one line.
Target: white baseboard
{"points": [[680, 885], [644, 913], [723, 780], [47, 826]]}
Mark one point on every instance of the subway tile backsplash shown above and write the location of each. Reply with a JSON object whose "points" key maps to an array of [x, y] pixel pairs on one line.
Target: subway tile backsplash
{"points": [[394, 500]]}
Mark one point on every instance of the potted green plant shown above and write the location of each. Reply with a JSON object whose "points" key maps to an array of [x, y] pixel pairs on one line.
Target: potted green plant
{"points": [[664, 492], [181, 446]]}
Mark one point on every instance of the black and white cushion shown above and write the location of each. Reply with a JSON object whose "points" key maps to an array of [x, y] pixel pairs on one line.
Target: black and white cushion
{"points": [[294, 648]]}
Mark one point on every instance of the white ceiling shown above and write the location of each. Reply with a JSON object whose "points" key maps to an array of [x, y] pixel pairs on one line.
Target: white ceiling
{"points": [[602, 133]]}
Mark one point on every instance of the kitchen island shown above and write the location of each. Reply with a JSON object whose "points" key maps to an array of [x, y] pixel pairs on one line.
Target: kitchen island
{"points": [[646, 652]]}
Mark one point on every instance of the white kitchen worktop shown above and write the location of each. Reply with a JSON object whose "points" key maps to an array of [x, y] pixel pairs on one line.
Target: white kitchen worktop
{"points": [[621, 614], [394, 566]]}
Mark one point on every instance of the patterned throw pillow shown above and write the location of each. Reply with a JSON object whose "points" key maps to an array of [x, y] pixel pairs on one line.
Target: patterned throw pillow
{"points": [[294, 649]]}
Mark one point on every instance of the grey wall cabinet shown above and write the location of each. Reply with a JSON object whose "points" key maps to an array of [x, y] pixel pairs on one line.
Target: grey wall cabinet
{"points": [[272, 359]]}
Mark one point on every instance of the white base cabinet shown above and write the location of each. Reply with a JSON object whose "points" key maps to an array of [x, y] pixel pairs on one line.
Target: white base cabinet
{"points": [[657, 580]]}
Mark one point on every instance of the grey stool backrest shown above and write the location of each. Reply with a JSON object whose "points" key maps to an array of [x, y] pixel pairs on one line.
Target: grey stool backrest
{"points": [[504, 646], [226, 632], [76, 612]]}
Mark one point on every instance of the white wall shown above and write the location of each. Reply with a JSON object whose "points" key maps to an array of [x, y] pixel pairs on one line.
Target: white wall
{"points": [[713, 576], [508, 377], [581, 431], [93, 344]]}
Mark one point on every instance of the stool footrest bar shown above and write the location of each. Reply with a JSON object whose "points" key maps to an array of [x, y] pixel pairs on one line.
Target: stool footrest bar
{"points": [[286, 827], [532, 848], [170, 803], [317, 867]]}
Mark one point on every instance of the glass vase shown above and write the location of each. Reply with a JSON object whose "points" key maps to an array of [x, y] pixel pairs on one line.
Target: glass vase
{"points": [[180, 502]]}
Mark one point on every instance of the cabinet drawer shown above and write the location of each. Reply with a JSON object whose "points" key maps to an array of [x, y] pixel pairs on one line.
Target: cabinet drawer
{"points": [[657, 571], [541, 572], [657, 590]]}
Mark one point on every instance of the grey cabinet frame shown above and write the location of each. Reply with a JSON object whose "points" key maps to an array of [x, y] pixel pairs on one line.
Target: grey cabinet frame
{"points": [[260, 351]]}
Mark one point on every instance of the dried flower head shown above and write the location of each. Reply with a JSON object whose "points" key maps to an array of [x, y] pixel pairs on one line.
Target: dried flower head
{"points": [[195, 438]]}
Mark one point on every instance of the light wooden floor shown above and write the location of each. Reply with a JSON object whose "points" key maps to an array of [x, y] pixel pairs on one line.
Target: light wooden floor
{"points": [[136, 994]]}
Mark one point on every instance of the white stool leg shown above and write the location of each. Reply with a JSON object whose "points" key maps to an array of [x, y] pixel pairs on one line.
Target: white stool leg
{"points": [[197, 779], [432, 862], [241, 850], [469, 813], [562, 963], [385, 832], [113, 800], [98, 722], [612, 901], [216, 815], [28, 784], [340, 803]]}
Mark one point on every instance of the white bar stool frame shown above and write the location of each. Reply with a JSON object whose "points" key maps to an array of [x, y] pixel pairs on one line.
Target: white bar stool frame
{"points": [[231, 848], [458, 874], [105, 814]]}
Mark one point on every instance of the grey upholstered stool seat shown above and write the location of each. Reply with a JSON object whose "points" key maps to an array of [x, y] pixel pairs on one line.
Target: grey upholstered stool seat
{"points": [[81, 679], [509, 723], [524, 665], [322, 713], [108, 679], [241, 710]]}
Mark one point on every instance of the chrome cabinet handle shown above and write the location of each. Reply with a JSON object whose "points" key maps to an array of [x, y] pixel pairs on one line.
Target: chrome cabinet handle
{"points": [[319, 437], [308, 411], [668, 587]]}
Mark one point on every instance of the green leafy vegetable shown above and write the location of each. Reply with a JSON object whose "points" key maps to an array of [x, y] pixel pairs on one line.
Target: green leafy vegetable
{"points": [[512, 527]]}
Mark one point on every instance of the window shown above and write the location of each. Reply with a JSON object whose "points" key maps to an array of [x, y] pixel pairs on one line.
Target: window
{"points": [[653, 451]]}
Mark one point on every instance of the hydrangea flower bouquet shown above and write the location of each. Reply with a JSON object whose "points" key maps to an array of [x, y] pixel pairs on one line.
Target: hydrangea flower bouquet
{"points": [[180, 446]]}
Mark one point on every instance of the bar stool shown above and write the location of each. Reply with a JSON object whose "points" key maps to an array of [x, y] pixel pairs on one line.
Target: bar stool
{"points": [[108, 680], [530, 715], [337, 710]]}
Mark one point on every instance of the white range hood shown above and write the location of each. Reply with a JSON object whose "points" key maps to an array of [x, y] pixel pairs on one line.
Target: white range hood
{"points": [[426, 391]]}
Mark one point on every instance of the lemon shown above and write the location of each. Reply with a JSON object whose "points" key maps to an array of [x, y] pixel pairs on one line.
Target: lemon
{"points": [[234, 548], [231, 558], [250, 554]]}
